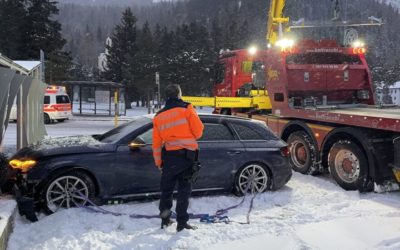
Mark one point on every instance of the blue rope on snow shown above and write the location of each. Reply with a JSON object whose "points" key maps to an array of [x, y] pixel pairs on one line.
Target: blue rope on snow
{"points": [[218, 217]]}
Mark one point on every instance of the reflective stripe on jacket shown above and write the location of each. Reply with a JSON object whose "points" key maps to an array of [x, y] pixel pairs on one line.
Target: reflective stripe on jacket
{"points": [[175, 127]]}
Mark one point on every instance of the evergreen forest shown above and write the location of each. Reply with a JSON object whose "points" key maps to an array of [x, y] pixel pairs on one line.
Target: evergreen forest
{"points": [[182, 39]]}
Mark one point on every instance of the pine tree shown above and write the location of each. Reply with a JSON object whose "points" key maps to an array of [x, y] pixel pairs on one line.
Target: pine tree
{"points": [[41, 32], [120, 60], [166, 51], [145, 61], [12, 15], [217, 35]]}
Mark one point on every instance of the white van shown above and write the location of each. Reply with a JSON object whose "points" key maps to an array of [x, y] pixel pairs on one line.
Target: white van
{"points": [[57, 106]]}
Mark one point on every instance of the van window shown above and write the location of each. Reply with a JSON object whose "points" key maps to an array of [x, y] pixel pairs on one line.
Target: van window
{"points": [[46, 99], [60, 99]]}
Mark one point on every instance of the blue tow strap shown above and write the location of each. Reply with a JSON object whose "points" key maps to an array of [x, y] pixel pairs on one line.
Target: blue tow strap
{"points": [[218, 217]]}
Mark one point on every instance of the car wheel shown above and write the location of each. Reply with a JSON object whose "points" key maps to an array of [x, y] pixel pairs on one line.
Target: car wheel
{"points": [[68, 190], [259, 175], [302, 153], [347, 164], [46, 119]]}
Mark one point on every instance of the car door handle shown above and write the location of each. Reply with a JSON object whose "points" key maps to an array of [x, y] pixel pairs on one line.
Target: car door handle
{"points": [[234, 152]]}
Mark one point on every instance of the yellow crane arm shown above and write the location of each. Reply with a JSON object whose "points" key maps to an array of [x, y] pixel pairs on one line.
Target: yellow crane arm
{"points": [[276, 20], [258, 99]]}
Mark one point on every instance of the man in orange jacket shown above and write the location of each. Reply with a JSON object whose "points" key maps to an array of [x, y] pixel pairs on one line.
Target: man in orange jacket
{"points": [[176, 128]]}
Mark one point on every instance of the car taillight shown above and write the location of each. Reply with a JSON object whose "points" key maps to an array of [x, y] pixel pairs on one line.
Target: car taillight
{"points": [[285, 151]]}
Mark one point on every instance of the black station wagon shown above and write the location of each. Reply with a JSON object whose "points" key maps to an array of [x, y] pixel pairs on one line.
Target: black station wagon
{"points": [[118, 165]]}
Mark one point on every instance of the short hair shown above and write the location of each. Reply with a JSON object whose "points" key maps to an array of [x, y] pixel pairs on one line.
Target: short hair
{"points": [[172, 91]]}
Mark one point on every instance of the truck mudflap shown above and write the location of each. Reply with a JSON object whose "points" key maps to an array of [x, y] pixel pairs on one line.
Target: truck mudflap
{"points": [[396, 163]]}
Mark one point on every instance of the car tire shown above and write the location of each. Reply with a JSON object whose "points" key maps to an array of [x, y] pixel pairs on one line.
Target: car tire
{"points": [[302, 153], [260, 184], [347, 165], [55, 195], [46, 119]]}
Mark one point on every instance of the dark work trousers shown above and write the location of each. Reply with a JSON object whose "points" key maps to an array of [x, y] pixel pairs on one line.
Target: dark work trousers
{"points": [[176, 169]]}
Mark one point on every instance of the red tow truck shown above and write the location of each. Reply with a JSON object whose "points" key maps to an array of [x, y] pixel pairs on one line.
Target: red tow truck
{"points": [[322, 104], [318, 97]]}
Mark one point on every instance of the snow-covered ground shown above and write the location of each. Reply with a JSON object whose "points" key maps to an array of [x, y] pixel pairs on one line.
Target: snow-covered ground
{"points": [[308, 213]]}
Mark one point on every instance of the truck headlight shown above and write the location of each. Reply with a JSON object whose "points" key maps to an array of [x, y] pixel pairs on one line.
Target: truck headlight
{"points": [[23, 165]]}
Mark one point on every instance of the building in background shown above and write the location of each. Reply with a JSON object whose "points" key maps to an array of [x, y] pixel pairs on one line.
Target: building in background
{"points": [[389, 94], [102, 59]]}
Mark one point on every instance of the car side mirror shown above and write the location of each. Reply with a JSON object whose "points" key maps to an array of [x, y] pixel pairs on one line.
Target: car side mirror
{"points": [[137, 143]]}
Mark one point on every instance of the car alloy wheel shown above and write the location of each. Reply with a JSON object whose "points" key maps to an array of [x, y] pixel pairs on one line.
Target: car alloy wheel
{"points": [[254, 175], [67, 191]]}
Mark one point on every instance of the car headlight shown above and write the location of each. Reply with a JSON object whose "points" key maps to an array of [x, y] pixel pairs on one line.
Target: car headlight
{"points": [[24, 165]]}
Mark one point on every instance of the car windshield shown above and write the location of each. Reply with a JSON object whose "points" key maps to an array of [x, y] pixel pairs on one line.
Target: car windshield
{"points": [[120, 132]]}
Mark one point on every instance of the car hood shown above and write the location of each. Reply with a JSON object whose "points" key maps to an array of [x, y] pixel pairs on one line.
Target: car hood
{"points": [[63, 145]]}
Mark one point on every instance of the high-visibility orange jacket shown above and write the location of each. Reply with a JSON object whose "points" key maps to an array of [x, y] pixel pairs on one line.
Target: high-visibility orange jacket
{"points": [[176, 126]]}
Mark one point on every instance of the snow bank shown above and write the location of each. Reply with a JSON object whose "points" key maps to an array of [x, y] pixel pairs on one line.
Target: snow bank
{"points": [[309, 213], [7, 206]]}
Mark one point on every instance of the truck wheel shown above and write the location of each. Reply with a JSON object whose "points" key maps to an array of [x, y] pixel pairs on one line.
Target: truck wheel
{"points": [[302, 153], [347, 164], [46, 119]]}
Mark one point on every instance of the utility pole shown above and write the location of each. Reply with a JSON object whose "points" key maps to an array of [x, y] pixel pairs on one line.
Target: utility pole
{"points": [[116, 108], [158, 90], [42, 69]]}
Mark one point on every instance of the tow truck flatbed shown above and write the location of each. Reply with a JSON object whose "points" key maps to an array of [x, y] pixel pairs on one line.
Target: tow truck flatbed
{"points": [[369, 117]]}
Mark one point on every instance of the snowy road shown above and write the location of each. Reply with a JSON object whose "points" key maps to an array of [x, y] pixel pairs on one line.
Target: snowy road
{"points": [[309, 213]]}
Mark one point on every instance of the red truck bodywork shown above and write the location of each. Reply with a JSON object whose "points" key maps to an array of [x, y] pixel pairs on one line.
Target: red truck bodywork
{"points": [[323, 105]]}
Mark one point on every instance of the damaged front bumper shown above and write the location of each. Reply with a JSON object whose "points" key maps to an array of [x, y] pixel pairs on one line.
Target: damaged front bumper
{"points": [[25, 196]]}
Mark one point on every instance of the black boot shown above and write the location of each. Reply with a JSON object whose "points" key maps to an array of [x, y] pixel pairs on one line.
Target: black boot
{"points": [[180, 227], [166, 222], [166, 218]]}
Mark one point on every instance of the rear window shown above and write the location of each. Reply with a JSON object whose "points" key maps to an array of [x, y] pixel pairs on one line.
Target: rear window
{"points": [[253, 131], [216, 132], [323, 58], [46, 99], [246, 133], [60, 99]]}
